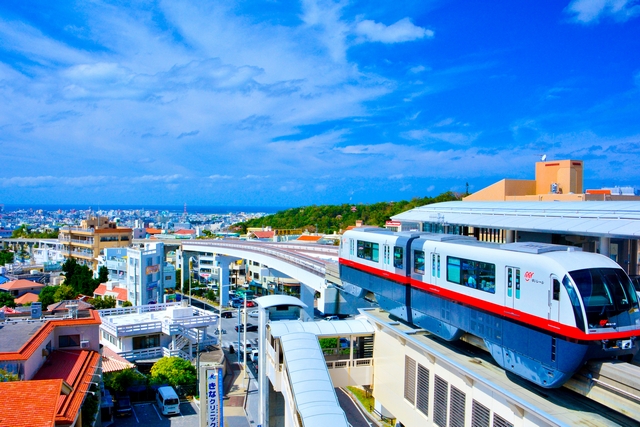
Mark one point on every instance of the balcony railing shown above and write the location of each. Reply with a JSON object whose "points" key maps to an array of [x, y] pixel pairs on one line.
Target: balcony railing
{"points": [[168, 326]]}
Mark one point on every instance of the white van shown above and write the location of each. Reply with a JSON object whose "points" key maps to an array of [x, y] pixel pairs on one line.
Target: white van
{"points": [[168, 401]]}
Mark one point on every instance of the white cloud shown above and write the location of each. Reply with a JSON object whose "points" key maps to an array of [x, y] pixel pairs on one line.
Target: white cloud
{"points": [[590, 11], [220, 177], [457, 138], [418, 69], [402, 31]]}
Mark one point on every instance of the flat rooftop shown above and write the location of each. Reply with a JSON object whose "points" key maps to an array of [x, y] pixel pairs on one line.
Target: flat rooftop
{"points": [[15, 334]]}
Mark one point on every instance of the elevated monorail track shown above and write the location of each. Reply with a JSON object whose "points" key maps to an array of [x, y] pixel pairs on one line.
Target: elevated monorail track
{"points": [[612, 383]]}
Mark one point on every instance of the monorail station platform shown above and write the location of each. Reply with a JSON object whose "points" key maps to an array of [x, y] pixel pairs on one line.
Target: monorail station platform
{"points": [[426, 381]]}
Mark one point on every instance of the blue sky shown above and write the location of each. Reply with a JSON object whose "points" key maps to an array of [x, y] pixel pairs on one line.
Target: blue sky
{"points": [[291, 103]]}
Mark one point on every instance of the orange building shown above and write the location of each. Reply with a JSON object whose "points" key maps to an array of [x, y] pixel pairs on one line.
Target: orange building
{"points": [[557, 180], [85, 243]]}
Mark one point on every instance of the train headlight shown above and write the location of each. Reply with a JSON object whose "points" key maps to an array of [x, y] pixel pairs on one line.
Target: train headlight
{"points": [[625, 344]]}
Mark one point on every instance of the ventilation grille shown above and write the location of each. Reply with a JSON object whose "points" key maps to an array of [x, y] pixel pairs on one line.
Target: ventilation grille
{"points": [[457, 410], [480, 415], [440, 402], [410, 379], [498, 421], [423, 390]]}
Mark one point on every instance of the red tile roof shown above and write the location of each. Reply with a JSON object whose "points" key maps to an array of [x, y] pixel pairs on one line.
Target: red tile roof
{"points": [[28, 297], [21, 407], [309, 238], [264, 234], [185, 231], [120, 294], [77, 369], [153, 230], [112, 362], [43, 333], [16, 285]]}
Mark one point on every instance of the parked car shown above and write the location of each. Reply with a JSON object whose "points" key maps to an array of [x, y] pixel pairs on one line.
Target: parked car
{"points": [[251, 304], [227, 314], [240, 348], [254, 313], [332, 318], [235, 303], [254, 355], [122, 405], [250, 328]]}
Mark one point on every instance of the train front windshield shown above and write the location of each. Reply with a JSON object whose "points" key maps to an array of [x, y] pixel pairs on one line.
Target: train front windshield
{"points": [[605, 292]]}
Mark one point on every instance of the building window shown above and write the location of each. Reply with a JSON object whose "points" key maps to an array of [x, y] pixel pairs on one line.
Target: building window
{"points": [[69, 341], [140, 343]]}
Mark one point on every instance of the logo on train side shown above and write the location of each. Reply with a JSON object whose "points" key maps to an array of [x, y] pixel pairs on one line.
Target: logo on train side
{"points": [[528, 275]]}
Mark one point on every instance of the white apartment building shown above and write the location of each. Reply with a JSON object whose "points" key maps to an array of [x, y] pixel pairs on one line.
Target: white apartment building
{"points": [[142, 271], [157, 330]]}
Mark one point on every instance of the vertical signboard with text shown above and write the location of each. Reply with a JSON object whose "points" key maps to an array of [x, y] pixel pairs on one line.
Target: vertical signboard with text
{"points": [[211, 399]]}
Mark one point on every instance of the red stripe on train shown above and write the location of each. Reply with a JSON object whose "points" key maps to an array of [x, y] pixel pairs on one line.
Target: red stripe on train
{"points": [[493, 308]]}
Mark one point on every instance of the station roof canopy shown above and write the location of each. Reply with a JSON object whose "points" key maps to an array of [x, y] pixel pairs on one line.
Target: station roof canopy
{"points": [[313, 391], [357, 326], [608, 219]]}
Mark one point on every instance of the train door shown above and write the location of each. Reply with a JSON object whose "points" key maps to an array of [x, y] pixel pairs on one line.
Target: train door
{"points": [[512, 295], [435, 267], [554, 298]]}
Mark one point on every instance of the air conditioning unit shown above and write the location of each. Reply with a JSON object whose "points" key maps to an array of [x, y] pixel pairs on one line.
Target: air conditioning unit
{"points": [[84, 344]]}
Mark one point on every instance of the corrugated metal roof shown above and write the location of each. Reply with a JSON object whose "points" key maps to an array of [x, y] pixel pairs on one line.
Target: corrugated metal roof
{"points": [[313, 391], [357, 326], [609, 219]]}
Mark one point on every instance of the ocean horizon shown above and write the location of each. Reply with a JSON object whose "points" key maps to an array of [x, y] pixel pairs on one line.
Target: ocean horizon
{"points": [[168, 208]]}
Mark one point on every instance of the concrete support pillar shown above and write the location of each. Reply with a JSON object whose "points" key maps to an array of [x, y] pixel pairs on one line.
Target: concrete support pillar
{"points": [[510, 236], [605, 243], [307, 296], [223, 263]]}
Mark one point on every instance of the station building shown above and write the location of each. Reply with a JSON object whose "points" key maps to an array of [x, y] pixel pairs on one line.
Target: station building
{"points": [[552, 208]]}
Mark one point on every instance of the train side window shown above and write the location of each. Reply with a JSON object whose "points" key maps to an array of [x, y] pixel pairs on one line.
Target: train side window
{"points": [[473, 274], [351, 245], [368, 251], [453, 269], [556, 289], [433, 265], [575, 302], [398, 257], [386, 255], [418, 262]]}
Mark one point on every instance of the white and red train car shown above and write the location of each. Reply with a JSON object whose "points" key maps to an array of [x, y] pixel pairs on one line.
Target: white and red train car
{"points": [[542, 310]]}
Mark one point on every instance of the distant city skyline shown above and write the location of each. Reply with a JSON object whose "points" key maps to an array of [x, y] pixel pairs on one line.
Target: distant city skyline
{"points": [[293, 103]]}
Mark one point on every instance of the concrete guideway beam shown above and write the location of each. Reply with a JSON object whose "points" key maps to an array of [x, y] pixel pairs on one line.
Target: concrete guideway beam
{"points": [[308, 270]]}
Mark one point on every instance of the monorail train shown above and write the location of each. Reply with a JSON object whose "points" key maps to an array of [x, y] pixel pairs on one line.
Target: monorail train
{"points": [[542, 310]]}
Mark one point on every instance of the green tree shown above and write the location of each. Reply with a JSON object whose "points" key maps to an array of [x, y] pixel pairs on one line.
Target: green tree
{"points": [[64, 292], [127, 304], [7, 376], [120, 381], [7, 299], [173, 371], [46, 296], [100, 303], [79, 277], [103, 275], [6, 257]]}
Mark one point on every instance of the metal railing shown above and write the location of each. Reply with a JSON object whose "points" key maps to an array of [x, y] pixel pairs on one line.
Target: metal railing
{"points": [[355, 363]]}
